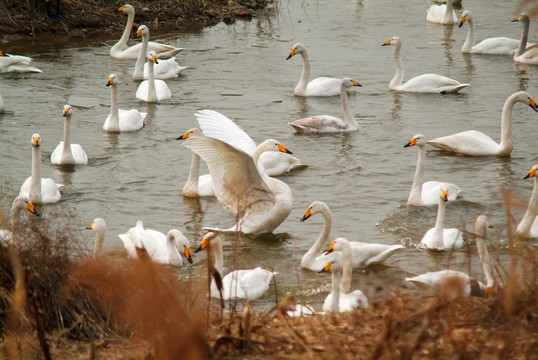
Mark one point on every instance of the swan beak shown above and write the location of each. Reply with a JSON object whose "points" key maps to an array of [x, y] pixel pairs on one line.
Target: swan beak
{"points": [[187, 253], [330, 249], [326, 268], [154, 59], [203, 245], [490, 290], [532, 173], [138, 33], [516, 19], [489, 225], [463, 20], [291, 54], [31, 208], [283, 149], [307, 214], [387, 43], [36, 141], [355, 83], [90, 226], [411, 142], [444, 195], [121, 8], [66, 112], [110, 82], [184, 136], [532, 104], [2, 53]]}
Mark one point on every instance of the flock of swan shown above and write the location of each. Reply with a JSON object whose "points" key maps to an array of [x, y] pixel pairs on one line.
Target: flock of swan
{"points": [[243, 175]]}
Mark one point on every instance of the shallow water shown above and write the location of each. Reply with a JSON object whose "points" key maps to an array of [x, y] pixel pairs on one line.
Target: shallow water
{"points": [[240, 70]]}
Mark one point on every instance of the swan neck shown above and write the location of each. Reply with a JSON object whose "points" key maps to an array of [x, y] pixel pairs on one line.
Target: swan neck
{"points": [[448, 12], [174, 257], [305, 74], [323, 237], [485, 258], [507, 140], [416, 188], [399, 74], [126, 32], [152, 90], [347, 269], [16, 212], [439, 225], [526, 223], [67, 141], [348, 114], [524, 36], [141, 59], [114, 121], [35, 182], [469, 41], [336, 279], [217, 255], [194, 174], [99, 241]]}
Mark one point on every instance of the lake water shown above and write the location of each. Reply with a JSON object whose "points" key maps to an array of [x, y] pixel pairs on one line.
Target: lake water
{"points": [[240, 70]]}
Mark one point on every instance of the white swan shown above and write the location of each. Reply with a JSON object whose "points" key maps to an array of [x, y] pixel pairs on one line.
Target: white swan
{"points": [[437, 281], [6, 236], [242, 284], [341, 297], [525, 54], [528, 226], [321, 86], [492, 46], [426, 193], [425, 83], [475, 143], [261, 202], [161, 248], [153, 90], [67, 153], [165, 69], [328, 123], [119, 51], [363, 254], [442, 14], [121, 120], [438, 237], [16, 63], [99, 226], [36, 189]]}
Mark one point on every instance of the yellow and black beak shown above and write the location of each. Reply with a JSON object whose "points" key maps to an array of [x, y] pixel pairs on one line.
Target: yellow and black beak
{"points": [[411, 142], [36, 141], [292, 53], [326, 268], [154, 59], [283, 149], [184, 136], [463, 20], [138, 33], [121, 8], [532, 104], [330, 249], [66, 112], [532, 173], [31, 208], [187, 253], [490, 290], [90, 226], [110, 82], [516, 19], [387, 43], [444, 195], [355, 83], [3, 54], [203, 245], [307, 214], [489, 225]]}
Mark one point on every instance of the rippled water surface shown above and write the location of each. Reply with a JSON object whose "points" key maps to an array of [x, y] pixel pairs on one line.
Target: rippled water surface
{"points": [[240, 70]]}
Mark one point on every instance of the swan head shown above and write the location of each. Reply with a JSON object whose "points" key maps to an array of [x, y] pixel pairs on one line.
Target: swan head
{"points": [[395, 40], [152, 56], [296, 49], [112, 80], [3, 54], [444, 192], [36, 140], [335, 264], [20, 203], [466, 15], [67, 111], [481, 223], [181, 242], [418, 140], [532, 172], [315, 208], [347, 83], [273, 145], [142, 30], [128, 9], [190, 133], [98, 224], [339, 244], [206, 239], [523, 17]]}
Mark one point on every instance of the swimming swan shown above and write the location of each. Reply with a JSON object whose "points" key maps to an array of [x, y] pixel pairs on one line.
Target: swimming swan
{"points": [[492, 46], [362, 254], [426, 193], [242, 284], [321, 86], [261, 202], [16, 63], [425, 83], [525, 54], [6, 236], [161, 248], [528, 226], [67, 153], [165, 69], [153, 90], [438, 237], [442, 14], [36, 189], [119, 51], [328, 123], [121, 120], [436, 281], [341, 297], [475, 143]]}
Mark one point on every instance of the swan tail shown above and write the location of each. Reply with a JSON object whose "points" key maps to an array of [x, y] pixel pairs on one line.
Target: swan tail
{"points": [[379, 259], [299, 128], [454, 89]]}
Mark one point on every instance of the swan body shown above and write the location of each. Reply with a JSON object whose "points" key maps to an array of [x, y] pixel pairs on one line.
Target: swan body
{"points": [[67, 153], [161, 248], [153, 90], [36, 189], [426, 83], [492, 46], [362, 254], [6, 236], [261, 202], [321, 86], [328, 123], [99, 226], [341, 297], [528, 226], [475, 143], [442, 14], [121, 120], [16, 63], [426, 193], [525, 54], [119, 51], [438, 237], [243, 284], [434, 282], [165, 69]]}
